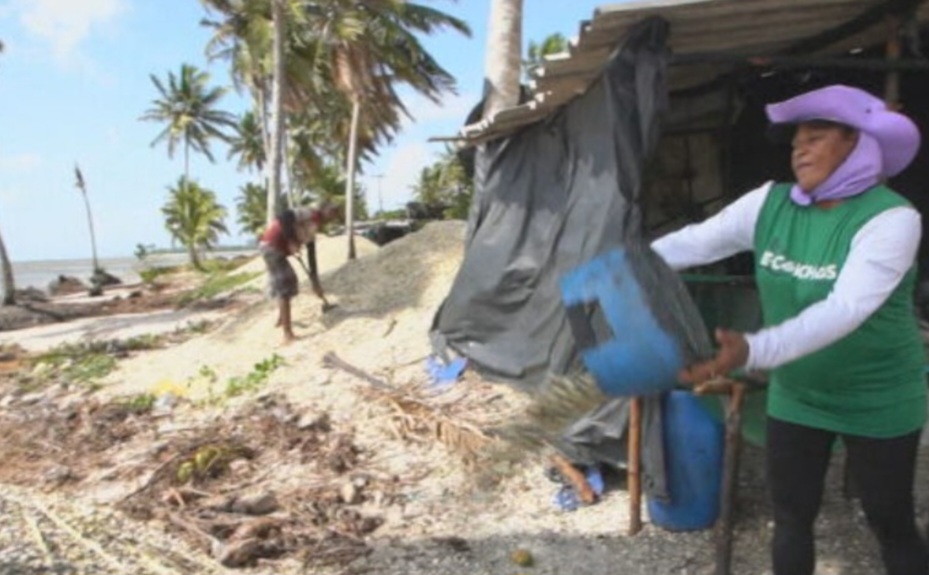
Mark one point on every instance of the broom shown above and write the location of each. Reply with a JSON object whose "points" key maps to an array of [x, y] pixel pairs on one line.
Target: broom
{"points": [[656, 330]]}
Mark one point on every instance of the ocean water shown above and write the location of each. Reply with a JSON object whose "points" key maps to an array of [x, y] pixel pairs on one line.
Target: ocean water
{"points": [[39, 273]]}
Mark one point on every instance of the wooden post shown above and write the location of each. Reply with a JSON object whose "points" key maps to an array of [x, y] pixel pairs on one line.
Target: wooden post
{"points": [[892, 53], [635, 465], [730, 479]]}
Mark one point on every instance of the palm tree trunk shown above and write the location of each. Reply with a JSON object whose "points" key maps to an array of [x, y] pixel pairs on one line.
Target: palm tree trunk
{"points": [[194, 256], [350, 177], [263, 99], [93, 236], [502, 61], [277, 111], [289, 172], [9, 287]]}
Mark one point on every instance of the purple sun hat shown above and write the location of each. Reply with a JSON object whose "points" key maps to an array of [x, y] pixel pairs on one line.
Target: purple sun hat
{"points": [[896, 134]]}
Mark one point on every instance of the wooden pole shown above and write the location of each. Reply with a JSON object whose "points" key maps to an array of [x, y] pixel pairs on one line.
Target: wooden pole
{"points": [[893, 50], [574, 476], [635, 465], [730, 479]]}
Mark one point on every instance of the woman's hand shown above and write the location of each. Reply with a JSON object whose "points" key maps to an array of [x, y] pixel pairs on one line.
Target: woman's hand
{"points": [[732, 354]]}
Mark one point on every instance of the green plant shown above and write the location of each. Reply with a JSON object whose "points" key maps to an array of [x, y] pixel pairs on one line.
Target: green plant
{"points": [[151, 274], [139, 404], [255, 379], [220, 265], [78, 363], [209, 375], [210, 461], [87, 362], [142, 342], [216, 284]]}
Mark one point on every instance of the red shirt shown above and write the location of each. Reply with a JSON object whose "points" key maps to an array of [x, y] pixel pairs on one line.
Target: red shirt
{"points": [[274, 237]]}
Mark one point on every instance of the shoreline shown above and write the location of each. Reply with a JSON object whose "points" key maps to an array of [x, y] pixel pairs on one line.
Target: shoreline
{"points": [[38, 274]]}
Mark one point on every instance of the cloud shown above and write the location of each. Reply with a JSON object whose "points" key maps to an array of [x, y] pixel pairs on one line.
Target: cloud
{"points": [[403, 165], [65, 24], [20, 163]]}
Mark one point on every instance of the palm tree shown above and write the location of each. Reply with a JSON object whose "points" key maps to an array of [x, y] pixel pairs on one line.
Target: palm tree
{"points": [[552, 44], [194, 218], [343, 56], [368, 47], [247, 143], [502, 60], [444, 183], [187, 107], [246, 36], [9, 286], [97, 277], [251, 207], [276, 151]]}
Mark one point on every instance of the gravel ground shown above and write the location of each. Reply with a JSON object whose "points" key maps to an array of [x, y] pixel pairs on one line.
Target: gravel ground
{"points": [[48, 534], [439, 534]]}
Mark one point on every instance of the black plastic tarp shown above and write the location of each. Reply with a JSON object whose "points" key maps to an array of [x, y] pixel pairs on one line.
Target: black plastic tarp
{"points": [[547, 199]]}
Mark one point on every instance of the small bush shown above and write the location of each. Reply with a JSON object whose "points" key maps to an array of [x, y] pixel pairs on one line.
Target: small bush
{"points": [[216, 284]]}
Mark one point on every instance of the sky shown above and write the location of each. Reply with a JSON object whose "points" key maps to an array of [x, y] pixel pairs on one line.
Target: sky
{"points": [[75, 78]]}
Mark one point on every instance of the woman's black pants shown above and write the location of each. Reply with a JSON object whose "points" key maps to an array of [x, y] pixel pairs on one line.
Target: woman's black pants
{"points": [[882, 471]]}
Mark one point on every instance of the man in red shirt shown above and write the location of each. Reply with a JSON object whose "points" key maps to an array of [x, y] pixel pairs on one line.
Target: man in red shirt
{"points": [[283, 238]]}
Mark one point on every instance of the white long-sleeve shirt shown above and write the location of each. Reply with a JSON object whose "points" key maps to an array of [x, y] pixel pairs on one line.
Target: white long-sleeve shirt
{"points": [[881, 253]]}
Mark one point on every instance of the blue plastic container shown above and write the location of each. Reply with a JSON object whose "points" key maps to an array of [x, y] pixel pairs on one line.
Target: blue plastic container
{"points": [[637, 356], [694, 444]]}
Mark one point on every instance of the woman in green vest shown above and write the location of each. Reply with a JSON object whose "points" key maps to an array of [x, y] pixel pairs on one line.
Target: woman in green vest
{"points": [[834, 263]]}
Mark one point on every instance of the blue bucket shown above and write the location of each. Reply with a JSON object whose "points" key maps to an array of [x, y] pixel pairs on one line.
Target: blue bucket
{"points": [[631, 355], [694, 445]]}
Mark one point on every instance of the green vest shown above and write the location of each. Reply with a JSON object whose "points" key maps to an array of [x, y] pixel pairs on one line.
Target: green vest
{"points": [[872, 381]]}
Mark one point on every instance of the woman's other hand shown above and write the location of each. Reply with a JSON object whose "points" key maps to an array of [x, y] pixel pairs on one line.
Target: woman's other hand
{"points": [[732, 354]]}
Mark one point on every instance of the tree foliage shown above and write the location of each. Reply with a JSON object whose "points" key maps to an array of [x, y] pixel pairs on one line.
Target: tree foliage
{"points": [[187, 106], [251, 209], [444, 185], [194, 218]]}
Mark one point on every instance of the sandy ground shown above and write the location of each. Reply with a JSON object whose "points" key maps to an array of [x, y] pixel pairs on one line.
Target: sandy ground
{"points": [[386, 301]]}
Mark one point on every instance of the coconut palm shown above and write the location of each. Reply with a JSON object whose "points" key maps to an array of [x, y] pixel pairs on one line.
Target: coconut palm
{"points": [[246, 35], [97, 277], [366, 48], [276, 148], [445, 184], [187, 107], [502, 58], [251, 208], [194, 218], [247, 143], [536, 53], [338, 55]]}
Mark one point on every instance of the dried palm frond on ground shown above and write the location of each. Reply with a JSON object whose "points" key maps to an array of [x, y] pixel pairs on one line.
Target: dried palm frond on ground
{"points": [[215, 483], [415, 415], [455, 415], [215, 488], [62, 441]]}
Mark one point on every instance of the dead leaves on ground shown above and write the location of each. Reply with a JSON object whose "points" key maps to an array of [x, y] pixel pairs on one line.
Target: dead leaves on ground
{"points": [[223, 486]]}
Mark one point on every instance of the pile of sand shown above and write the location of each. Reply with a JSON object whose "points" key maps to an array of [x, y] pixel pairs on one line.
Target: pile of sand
{"points": [[386, 300]]}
